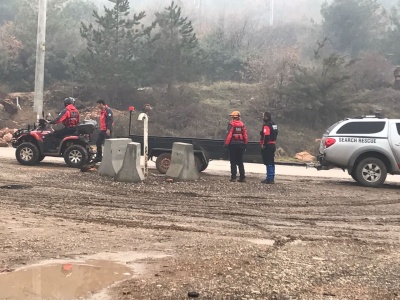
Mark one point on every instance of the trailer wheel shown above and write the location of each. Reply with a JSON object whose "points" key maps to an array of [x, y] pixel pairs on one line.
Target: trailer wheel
{"points": [[163, 162], [204, 166], [199, 164]]}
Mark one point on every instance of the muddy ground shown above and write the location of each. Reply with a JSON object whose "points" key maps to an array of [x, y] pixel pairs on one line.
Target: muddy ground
{"points": [[333, 239]]}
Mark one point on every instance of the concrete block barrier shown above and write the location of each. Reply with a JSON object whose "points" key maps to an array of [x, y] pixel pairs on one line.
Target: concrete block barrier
{"points": [[113, 156], [183, 167], [131, 170]]}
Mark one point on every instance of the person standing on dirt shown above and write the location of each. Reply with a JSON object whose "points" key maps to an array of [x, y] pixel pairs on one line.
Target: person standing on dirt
{"points": [[69, 117], [106, 126], [269, 134], [236, 141]]}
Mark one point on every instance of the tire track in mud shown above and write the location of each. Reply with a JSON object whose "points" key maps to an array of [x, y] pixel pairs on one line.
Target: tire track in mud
{"points": [[287, 207]]}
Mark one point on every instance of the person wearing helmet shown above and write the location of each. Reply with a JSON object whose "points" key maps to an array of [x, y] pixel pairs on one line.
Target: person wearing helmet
{"points": [[69, 117], [236, 141], [269, 134]]}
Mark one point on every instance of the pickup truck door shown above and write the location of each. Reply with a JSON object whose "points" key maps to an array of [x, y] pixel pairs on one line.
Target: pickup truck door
{"points": [[395, 140]]}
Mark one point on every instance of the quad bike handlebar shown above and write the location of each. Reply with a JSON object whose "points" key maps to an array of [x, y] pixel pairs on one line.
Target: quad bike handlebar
{"points": [[43, 123]]}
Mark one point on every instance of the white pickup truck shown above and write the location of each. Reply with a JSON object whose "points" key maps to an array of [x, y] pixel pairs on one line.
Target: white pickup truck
{"points": [[367, 147]]}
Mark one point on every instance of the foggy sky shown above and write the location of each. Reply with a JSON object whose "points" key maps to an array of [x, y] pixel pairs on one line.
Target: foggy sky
{"points": [[284, 10]]}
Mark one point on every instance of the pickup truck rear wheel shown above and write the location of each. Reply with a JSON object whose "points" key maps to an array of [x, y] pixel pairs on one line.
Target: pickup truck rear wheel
{"points": [[163, 162], [371, 172], [353, 175]]}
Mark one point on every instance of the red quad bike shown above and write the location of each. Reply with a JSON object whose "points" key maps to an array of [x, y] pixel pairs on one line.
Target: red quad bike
{"points": [[75, 148]]}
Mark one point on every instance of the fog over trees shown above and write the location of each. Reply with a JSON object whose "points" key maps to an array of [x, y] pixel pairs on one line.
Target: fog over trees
{"points": [[307, 64]]}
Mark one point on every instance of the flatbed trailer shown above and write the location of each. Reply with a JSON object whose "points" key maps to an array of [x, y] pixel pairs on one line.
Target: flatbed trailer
{"points": [[205, 150]]}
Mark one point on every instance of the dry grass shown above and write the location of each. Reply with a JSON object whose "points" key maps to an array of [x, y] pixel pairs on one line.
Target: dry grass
{"points": [[203, 112]]}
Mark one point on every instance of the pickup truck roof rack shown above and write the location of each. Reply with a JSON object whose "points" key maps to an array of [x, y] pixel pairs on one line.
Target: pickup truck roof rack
{"points": [[372, 116]]}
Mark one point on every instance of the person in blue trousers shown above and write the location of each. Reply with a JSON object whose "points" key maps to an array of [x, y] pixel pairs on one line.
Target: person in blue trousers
{"points": [[268, 134]]}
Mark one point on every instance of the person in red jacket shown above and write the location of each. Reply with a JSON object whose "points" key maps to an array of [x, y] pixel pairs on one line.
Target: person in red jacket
{"points": [[268, 136], [69, 117], [106, 126], [236, 141]]}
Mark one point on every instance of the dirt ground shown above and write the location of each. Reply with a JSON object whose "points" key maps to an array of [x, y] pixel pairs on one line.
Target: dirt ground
{"points": [[332, 239]]}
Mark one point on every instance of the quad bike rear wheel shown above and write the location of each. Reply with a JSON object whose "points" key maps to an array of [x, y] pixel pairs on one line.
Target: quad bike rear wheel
{"points": [[76, 156], [27, 154]]}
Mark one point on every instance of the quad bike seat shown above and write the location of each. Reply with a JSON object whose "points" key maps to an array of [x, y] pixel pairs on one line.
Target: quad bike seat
{"points": [[87, 127]]}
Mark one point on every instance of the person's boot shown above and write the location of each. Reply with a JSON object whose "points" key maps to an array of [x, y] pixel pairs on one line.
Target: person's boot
{"points": [[270, 174], [268, 181], [242, 179], [233, 179], [97, 159]]}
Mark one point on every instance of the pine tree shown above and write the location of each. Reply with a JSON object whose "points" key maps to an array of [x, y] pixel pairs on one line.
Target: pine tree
{"points": [[322, 93], [114, 46], [219, 61], [8, 10], [176, 52], [353, 25]]}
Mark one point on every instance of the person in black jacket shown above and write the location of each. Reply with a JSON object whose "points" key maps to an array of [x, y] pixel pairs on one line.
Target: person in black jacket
{"points": [[269, 134], [106, 127]]}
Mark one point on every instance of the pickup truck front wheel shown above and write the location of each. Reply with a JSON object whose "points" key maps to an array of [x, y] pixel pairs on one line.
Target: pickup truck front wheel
{"points": [[371, 172]]}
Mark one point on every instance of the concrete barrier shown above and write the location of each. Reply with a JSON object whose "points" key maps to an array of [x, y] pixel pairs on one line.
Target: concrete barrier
{"points": [[183, 167], [113, 156], [131, 170]]}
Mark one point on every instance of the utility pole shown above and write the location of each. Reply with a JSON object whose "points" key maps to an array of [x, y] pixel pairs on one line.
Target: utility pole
{"points": [[271, 10], [40, 54]]}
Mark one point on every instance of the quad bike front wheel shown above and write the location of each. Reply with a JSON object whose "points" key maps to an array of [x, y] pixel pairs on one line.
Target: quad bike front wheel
{"points": [[27, 154], [76, 156]]}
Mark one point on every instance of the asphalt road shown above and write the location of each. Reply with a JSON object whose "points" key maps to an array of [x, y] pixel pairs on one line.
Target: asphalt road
{"points": [[221, 167]]}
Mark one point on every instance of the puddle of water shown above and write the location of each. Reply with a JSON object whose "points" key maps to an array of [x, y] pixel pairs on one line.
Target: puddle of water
{"points": [[62, 281]]}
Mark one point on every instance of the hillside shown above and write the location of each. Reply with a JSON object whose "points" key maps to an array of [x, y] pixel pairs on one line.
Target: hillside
{"points": [[202, 111]]}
